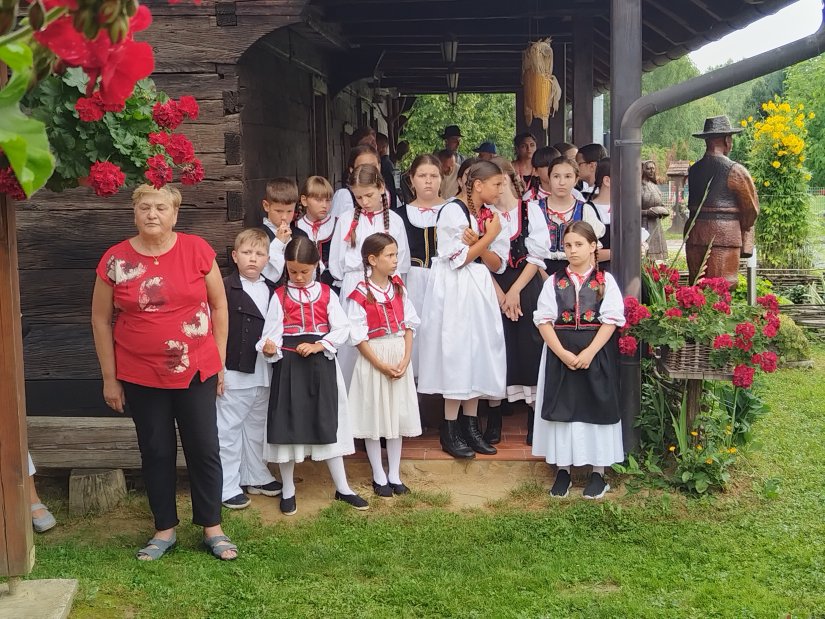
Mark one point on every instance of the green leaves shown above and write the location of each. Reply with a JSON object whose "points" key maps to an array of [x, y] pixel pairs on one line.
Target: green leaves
{"points": [[23, 139]]}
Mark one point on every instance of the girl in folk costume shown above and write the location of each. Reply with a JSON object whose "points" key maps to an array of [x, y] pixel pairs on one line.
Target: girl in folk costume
{"points": [[307, 417], [561, 206], [316, 220], [601, 203], [370, 215], [518, 289], [382, 393], [364, 154], [462, 338], [420, 217], [579, 421], [525, 145]]}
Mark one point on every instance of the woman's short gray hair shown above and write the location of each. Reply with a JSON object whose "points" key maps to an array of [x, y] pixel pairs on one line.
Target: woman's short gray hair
{"points": [[168, 191]]}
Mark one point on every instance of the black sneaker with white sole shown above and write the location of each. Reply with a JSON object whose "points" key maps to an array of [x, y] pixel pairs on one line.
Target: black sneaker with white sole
{"points": [[561, 487], [273, 488], [288, 506], [239, 501], [596, 487]]}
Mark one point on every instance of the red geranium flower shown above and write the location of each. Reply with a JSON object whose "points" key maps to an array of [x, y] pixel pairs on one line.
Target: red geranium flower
{"points": [[746, 330], [723, 341], [161, 137], [189, 106], [159, 172], [180, 149], [192, 173], [743, 344], [769, 360], [690, 296], [628, 345], [769, 302], [168, 115], [743, 376], [106, 178], [89, 109], [721, 306], [669, 290], [673, 312], [770, 329]]}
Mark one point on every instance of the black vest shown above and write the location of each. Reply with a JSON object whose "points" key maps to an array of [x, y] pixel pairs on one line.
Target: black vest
{"points": [[246, 324], [422, 241], [573, 313], [518, 243]]}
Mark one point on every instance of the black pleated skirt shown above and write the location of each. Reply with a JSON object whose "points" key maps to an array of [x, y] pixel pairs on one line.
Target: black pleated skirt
{"points": [[303, 400], [588, 396], [522, 339]]}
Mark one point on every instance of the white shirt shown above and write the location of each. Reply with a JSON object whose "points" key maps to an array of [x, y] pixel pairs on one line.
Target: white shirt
{"points": [[258, 291], [450, 230], [323, 233], [358, 315], [275, 267]]}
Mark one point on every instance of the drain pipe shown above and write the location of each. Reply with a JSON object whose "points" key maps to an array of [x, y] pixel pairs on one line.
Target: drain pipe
{"points": [[627, 234]]}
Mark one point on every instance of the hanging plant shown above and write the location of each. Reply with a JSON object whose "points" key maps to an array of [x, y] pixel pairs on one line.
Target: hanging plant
{"points": [[107, 146]]}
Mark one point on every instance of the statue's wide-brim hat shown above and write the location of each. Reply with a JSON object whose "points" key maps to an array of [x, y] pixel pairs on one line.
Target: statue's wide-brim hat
{"points": [[716, 126]]}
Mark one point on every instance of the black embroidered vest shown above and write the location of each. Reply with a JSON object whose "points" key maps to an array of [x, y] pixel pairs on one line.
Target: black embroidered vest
{"points": [[518, 243], [577, 311], [422, 241]]}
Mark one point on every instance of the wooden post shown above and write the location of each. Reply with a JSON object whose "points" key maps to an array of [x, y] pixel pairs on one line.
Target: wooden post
{"points": [[583, 79], [95, 490], [557, 131], [521, 125], [694, 401], [16, 547]]}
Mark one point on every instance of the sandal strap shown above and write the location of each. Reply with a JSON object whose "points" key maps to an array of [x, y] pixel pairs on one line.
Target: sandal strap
{"points": [[36, 506], [218, 544], [161, 546]]}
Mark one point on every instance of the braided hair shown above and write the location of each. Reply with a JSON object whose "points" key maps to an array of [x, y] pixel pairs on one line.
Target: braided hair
{"points": [[367, 176], [374, 245], [302, 250], [585, 230], [479, 171]]}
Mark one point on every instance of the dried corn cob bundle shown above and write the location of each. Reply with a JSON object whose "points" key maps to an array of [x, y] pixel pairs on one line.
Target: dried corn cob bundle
{"points": [[542, 92]]}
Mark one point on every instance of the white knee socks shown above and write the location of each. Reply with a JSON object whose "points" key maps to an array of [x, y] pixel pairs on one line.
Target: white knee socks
{"points": [[288, 478], [374, 455], [394, 460], [339, 475]]}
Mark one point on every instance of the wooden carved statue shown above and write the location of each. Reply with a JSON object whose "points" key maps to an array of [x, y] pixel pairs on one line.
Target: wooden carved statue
{"points": [[722, 206], [653, 209]]}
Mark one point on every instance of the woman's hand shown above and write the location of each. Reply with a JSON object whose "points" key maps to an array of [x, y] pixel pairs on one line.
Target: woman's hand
{"points": [[469, 237], [512, 305], [113, 395], [220, 383], [269, 348], [306, 349]]}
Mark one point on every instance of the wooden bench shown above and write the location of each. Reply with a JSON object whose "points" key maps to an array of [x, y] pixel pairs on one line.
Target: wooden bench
{"points": [[86, 443]]}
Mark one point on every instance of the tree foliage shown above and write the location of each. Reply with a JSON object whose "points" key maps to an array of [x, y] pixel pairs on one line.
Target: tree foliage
{"points": [[482, 117], [805, 83]]}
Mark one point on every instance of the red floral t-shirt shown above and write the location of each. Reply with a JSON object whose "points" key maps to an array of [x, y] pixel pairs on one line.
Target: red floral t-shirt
{"points": [[162, 331]]}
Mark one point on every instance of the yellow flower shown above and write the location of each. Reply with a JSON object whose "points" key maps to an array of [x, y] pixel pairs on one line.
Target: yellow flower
{"points": [[732, 450], [811, 115], [765, 106], [750, 119], [807, 177], [694, 433], [672, 448], [798, 166], [775, 163], [781, 153], [802, 157], [709, 461], [800, 107], [699, 448], [767, 183]]}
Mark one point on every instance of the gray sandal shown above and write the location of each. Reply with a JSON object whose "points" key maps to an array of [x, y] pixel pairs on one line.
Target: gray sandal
{"points": [[218, 544], [155, 548], [44, 523]]}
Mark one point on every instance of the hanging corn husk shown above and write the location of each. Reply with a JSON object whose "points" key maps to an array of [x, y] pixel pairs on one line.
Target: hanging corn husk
{"points": [[542, 92]]}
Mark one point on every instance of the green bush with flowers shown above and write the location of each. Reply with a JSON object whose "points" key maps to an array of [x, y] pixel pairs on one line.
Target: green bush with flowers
{"points": [[695, 454], [776, 159]]}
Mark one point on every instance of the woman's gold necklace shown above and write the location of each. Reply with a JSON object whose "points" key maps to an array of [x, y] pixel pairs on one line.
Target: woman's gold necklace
{"points": [[154, 257]]}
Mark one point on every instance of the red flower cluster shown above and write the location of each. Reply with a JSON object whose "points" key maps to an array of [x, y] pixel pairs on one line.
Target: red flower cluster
{"points": [[746, 330], [771, 327], [743, 376], [628, 345], [9, 184], [690, 296], [159, 172], [90, 109], [170, 115], [160, 138], [673, 312], [769, 302], [662, 271], [723, 341], [721, 306], [192, 173], [634, 312], [106, 178]]}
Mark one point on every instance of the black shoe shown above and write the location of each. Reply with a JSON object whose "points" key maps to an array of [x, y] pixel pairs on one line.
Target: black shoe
{"points": [[531, 417], [273, 488], [596, 487], [239, 501], [399, 488], [384, 491], [353, 500], [288, 506], [472, 434], [492, 433], [561, 487], [452, 442]]}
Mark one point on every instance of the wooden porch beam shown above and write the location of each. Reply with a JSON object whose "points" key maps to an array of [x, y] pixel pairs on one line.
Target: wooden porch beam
{"points": [[582, 79]]}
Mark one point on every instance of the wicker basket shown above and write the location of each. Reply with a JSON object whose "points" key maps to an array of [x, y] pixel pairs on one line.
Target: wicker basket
{"points": [[692, 362]]}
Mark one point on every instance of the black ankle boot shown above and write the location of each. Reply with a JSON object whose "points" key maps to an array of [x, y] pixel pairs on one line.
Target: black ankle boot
{"points": [[492, 433], [472, 434], [531, 415], [452, 442]]}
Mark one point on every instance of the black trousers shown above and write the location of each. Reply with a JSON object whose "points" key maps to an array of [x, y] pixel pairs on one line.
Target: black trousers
{"points": [[155, 412]]}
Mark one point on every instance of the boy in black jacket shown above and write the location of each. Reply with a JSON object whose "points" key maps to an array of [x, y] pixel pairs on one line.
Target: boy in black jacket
{"points": [[279, 222]]}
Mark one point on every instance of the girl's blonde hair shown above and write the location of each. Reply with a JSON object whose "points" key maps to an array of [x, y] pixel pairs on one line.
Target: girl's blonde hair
{"points": [[167, 191], [317, 187]]}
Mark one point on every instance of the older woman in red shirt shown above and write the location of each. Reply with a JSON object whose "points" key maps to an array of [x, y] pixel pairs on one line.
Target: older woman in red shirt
{"points": [[164, 359]]}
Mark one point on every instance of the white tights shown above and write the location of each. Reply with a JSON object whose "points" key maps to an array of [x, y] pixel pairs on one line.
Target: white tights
{"points": [[336, 470], [393, 460]]}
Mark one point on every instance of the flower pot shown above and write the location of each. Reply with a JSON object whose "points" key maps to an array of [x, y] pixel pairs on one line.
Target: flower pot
{"points": [[692, 362]]}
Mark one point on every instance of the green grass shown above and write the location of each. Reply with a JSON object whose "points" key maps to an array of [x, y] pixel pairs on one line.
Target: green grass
{"points": [[756, 551]]}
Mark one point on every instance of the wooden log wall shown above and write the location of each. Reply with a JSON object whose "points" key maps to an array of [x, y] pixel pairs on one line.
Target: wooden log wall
{"points": [[62, 236]]}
